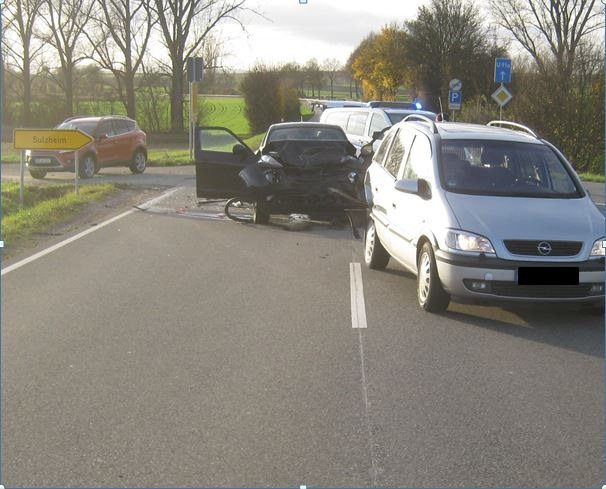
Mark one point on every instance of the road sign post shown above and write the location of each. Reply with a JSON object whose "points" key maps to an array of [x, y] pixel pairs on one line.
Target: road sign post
{"points": [[195, 74], [53, 139]]}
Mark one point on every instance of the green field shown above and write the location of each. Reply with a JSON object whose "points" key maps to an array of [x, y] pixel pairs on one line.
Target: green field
{"points": [[213, 111]]}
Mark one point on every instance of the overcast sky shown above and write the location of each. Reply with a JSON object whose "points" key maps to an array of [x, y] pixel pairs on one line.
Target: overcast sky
{"points": [[320, 29]]}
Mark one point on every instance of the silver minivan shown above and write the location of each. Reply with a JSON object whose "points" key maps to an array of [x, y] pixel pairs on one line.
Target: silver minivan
{"points": [[483, 213]]}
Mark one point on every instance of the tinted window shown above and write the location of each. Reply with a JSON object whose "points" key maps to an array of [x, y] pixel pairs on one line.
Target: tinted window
{"points": [[356, 124], [504, 168]]}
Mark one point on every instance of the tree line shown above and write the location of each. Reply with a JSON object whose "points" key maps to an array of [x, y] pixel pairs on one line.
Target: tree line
{"points": [[558, 77], [130, 39]]}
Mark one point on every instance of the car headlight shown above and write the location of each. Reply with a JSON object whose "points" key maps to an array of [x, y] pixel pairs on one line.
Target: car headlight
{"points": [[463, 241], [598, 248]]}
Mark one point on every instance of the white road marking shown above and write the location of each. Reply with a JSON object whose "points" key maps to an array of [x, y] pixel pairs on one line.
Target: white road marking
{"points": [[358, 309], [63, 243], [155, 200]]}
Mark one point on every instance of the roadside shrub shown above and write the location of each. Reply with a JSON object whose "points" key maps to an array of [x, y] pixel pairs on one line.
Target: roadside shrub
{"points": [[268, 98]]}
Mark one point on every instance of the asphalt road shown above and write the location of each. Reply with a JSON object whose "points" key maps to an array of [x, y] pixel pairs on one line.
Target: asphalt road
{"points": [[174, 348]]}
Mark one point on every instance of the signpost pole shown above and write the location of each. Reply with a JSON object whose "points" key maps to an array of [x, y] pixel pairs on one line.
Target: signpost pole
{"points": [[191, 145], [22, 179], [77, 171]]}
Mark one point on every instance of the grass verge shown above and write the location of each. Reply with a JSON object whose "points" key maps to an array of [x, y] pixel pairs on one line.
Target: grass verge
{"points": [[590, 177], [44, 206]]}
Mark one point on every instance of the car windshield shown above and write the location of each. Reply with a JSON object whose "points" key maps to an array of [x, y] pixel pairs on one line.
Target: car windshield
{"points": [[84, 125], [505, 168], [306, 133]]}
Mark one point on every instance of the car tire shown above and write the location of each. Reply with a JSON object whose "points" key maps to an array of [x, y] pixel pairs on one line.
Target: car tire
{"points": [[431, 295], [87, 167], [38, 174], [139, 162], [261, 214], [375, 255]]}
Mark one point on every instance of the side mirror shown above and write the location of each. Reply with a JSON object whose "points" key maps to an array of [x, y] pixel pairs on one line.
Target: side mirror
{"points": [[239, 151], [378, 135], [415, 186], [407, 186], [366, 150], [101, 137]]}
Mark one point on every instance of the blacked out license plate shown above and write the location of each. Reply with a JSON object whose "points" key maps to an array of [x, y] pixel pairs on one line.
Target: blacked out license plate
{"points": [[548, 276]]}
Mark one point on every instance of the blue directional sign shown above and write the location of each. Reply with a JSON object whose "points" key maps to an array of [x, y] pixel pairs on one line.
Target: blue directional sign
{"points": [[455, 97], [502, 70]]}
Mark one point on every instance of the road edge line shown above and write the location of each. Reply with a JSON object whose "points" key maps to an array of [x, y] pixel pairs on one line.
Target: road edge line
{"points": [[67, 241]]}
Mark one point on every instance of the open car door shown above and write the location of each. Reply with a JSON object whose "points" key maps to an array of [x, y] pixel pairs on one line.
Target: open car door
{"points": [[220, 155]]}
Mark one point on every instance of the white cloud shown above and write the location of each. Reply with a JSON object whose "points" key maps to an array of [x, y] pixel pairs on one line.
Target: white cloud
{"points": [[319, 29]]}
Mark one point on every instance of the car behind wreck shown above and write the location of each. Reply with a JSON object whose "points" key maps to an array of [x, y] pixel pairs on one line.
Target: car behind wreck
{"points": [[299, 168]]}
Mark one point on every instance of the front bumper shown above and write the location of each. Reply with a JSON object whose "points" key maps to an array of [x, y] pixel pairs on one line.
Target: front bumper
{"points": [[489, 278], [50, 163]]}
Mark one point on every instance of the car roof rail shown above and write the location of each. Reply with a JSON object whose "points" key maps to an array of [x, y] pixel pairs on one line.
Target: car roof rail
{"points": [[514, 125], [424, 118]]}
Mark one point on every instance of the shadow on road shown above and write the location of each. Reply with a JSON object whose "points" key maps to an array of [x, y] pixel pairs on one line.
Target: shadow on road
{"points": [[562, 326]]}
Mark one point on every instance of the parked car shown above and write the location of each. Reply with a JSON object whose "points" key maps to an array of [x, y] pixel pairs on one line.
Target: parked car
{"points": [[483, 213], [118, 141], [300, 167], [363, 124]]}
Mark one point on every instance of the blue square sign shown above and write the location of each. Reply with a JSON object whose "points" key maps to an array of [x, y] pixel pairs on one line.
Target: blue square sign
{"points": [[502, 70], [455, 97]]}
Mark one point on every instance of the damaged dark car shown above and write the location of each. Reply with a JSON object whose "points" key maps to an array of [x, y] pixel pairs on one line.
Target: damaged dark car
{"points": [[302, 167]]}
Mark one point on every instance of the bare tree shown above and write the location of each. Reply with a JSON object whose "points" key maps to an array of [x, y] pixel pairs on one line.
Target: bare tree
{"points": [[555, 26], [564, 78], [65, 21], [331, 67], [20, 20], [314, 76], [184, 26], [119, 37]]}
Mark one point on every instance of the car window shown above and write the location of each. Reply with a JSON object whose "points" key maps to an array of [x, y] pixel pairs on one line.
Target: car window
{"points": [[356, 124], [377, 123], [86, 126], [217, 140], [337, 118], [396, 154], [306, 133], [504, 168], [106, 128], [380, 155], [120, 126], [418, 162]]}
